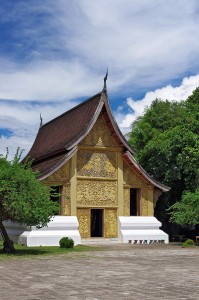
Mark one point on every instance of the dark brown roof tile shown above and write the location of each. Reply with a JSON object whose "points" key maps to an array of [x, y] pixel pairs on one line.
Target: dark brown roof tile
{"points": [[55, 135]]}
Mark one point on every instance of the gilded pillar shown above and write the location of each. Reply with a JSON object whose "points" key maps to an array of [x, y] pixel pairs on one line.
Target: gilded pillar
{"points": [[120, 184], [144, 202], [110, 223], [150, 202], [83, 215], [66, 200], [74, 185], [126, 193]]}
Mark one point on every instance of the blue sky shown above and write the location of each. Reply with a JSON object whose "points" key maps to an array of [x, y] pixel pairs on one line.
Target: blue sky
{"points": [[54, 54]]}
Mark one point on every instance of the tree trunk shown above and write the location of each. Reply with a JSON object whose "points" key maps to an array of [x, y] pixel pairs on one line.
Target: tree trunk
{"points": [[8, 243]]}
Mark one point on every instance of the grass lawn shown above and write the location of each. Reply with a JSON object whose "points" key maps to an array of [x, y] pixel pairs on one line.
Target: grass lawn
{"points": [[23, 251]]}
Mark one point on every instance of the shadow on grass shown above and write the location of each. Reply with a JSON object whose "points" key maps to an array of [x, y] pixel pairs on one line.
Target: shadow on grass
{"points": [[42, 250], [22, 252]]}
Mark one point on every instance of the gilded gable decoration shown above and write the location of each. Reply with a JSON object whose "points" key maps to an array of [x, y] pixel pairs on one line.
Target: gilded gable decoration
{"points": [[96, 163], [100, 135], [61, 175], [131, 178]]}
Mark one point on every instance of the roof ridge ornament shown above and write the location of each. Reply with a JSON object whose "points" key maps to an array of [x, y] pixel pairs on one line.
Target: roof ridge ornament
{"points": [[41, 120], [105, 79]]}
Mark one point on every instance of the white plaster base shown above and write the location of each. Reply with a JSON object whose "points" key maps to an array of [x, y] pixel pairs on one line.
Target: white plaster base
{"points": [[141, 228], [58, 227]]}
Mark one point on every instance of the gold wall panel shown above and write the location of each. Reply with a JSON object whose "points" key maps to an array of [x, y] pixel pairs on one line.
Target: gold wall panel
{"points": [[96, 163], [83, 216], [100, 135], [61, 175], [144, 202], [66, 202], [150, 202], [126, 202], [94, 193], [110, 223], [133, 179]]}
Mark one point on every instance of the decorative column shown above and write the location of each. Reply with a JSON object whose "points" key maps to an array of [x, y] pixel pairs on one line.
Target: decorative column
{"points": [[73, 190], [150, 201], [120, 184], [66, 200], [144, 204]]}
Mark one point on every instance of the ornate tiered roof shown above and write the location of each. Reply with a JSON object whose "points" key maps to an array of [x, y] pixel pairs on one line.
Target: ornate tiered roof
{"points": [[57, 141]]}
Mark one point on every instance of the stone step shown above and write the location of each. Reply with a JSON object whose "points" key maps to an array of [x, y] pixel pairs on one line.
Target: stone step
{"points": [[99, 241]]}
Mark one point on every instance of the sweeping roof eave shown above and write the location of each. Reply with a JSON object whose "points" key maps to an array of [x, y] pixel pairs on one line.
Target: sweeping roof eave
{"points": [[49, 156], [64, 132], [117, 129], [131, 161], [46, 168], [85, 131]]}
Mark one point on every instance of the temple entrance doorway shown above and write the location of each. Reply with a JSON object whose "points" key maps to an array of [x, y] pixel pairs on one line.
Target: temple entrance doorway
{"points": [[134, 202], [97, 216]]}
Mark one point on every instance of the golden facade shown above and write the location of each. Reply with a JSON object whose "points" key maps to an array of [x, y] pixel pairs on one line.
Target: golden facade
{"points": [[97, 180]]}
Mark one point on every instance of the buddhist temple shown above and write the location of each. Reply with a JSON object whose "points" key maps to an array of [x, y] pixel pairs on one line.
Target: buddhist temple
{"points": [[85, 156]]}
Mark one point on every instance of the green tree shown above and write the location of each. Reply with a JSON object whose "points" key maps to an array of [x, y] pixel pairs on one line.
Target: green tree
{"points": [[23, 198], [187, 210], [166, 139]]}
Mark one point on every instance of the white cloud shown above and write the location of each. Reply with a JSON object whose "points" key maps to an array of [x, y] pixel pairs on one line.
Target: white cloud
{"points": [[46, 81], [23, 120], [169, 92], [144, 44]]}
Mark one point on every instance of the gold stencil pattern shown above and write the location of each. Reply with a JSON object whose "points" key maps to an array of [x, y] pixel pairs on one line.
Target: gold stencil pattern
{"points": [[63, 174], [100, 135], [96, 164], [126, 202], [110, 224], [66, 200], [132, 178], [83, 216], [144, 204], [96, 193]]}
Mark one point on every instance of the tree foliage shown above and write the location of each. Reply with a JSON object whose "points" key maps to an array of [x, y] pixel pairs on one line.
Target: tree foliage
{"points": [[166, 139], [187, 210], [23, 198]]}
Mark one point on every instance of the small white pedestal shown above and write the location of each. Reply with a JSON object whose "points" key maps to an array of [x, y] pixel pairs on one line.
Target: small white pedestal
{"points": [[141, 229], [58, 227]]}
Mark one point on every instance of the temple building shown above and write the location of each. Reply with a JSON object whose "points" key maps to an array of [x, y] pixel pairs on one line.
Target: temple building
{"points": [[104, 191], [84, 154]]}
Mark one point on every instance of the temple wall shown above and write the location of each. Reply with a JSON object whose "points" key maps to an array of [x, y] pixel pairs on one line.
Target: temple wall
{"points": [[62, 177], [96, 177], [134, 180], [126, 201]]}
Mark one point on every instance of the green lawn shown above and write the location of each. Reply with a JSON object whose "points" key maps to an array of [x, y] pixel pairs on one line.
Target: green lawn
{"points": [[22, 251]]}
